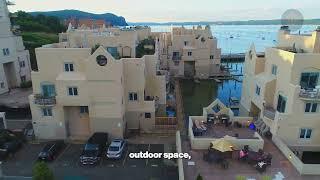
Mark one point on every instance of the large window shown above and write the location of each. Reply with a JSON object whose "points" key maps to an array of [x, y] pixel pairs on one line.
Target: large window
{"points": [[175, 56], [133, 96], [274, 69], [282, 101], [309, 80], [48, 90], [68, 67], [6, 51], [305, 133], [147, 115], [311, 107], [189, 53], [73, 91], [258, 89], [46, 111], [211, 57]]}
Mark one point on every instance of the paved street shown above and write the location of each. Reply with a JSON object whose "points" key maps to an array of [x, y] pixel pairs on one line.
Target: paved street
{"points": [[66, 165]]}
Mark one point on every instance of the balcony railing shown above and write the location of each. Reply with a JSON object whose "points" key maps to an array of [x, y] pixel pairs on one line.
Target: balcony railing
{"points": [[176, 58], [310, 94], [41, 100], [269, 112]]}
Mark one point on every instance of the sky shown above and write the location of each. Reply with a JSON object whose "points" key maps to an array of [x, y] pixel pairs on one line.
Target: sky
{"points": [[178, 10]]}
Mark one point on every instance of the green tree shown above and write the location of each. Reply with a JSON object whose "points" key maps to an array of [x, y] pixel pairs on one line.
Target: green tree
{"points": [[41, 171]]}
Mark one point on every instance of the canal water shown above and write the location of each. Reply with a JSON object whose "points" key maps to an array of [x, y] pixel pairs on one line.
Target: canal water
{"points": [[199, 95]]}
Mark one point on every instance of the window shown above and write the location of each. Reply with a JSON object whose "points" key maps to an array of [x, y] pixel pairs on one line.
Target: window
{"points": [[186, 43], [73, 91], [2, 85], [258, 89], [311, 107], [84, 109], [133, 96], [68, 67], [309, 80], [189, 53], [282, 101], [6, 51], [175, 56], [274, 69], [22, 64], [147, 115], [211, 57], [23, 78], [46, 111], [305, 133]]}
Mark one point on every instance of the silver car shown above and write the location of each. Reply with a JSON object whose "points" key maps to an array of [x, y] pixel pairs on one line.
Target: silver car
{"points": [[116, 149]]}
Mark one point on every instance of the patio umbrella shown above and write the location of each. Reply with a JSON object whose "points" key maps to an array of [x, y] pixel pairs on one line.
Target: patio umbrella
{"points": [[222, 145]]}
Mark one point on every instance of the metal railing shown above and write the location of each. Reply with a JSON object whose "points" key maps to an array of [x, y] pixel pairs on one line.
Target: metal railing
{"points": [[310, 94], [269, 112], [42, 100]]}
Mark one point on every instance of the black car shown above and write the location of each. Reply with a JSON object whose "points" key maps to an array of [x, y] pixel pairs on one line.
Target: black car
{"points": [[9, 143], [94, 149], [51, 150]]}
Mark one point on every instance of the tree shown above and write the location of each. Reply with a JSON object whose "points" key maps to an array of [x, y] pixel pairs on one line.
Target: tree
{"points": [[199, 177], [41, 171]]}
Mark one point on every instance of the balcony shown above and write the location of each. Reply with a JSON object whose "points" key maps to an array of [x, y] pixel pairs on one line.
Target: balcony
{"points": [[269, 112], [44, 101], [310, 94]]}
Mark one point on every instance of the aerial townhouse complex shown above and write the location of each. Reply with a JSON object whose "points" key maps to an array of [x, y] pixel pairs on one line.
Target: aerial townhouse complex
{"points": [[14, 59], [190, 52], [91, 81], [281, 88]]}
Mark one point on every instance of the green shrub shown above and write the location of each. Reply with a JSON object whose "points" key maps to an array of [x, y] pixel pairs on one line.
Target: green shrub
{"points": [[41, 171], [240, 178], [266, 178], [26, 84], [199, 177]]}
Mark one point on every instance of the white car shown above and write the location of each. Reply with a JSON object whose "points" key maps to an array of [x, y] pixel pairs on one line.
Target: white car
{"points": [[116, 149]]}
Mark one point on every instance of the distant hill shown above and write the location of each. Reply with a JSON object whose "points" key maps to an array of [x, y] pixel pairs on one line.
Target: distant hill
{"points": [[249, 22], [66, 14]]}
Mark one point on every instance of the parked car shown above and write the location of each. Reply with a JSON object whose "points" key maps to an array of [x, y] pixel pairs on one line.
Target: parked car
{"points": [[116, 149], [94, 148], [51, 150], [9, 143]]}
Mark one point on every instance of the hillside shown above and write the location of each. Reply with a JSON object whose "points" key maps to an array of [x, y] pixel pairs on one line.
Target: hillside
{"points": [[66, 14], [249, 22]]}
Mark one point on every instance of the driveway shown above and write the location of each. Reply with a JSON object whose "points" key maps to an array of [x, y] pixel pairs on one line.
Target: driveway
{"points": [[67, 166]]}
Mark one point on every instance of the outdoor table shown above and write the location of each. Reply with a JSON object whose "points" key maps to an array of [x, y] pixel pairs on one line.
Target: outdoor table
{"points": [[254, 156]]}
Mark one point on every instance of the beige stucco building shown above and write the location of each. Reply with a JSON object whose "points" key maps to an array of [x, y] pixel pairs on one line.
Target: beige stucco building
{"points": [[77, 92], [14, 59], [281, 87], [190, 52]]}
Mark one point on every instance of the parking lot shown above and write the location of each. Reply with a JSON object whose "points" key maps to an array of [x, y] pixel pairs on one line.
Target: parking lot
{"points": [[67, 164]]}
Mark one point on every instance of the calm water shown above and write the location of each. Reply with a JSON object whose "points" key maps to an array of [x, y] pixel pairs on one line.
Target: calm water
{"points": [[199, 95], [243, 36]]}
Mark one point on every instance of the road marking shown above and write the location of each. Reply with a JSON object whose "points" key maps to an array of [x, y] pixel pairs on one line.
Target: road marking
{"points": [[154, 165], [133, 165], [111, 165], [147, 158], [62, 152], [101, 160], [125, 158]]}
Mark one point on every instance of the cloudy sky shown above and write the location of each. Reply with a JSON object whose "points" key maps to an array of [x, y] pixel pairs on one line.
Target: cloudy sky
{"points": [[178, 10]]}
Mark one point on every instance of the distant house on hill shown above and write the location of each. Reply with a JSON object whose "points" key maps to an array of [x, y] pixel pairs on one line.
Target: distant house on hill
{"points": [[89, 23]]}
